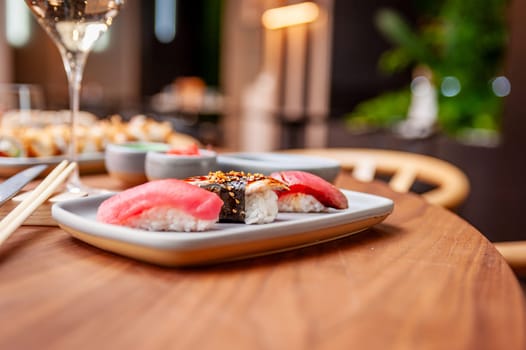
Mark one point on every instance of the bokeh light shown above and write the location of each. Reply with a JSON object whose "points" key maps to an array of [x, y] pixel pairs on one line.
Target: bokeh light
{"points": [[501, 86], [450, 86]]}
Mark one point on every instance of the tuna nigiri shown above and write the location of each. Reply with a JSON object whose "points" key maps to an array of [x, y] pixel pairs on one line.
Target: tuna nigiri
{"points": [[162, 205], [308, 193]]}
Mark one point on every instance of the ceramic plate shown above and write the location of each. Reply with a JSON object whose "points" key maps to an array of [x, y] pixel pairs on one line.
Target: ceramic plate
{"points": [[267, 163], [89, 162], [223, 241]]}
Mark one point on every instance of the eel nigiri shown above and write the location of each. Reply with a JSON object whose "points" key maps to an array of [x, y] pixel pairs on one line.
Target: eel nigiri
{"points": [[248, 198], [308, 193], [162, 205]]}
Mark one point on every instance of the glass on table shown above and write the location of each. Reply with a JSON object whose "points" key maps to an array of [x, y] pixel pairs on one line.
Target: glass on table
{"points": [[20, 106], [20, 98], [75, 26]]}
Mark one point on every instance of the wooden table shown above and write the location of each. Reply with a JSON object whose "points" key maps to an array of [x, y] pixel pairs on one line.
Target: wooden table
{"points": [[423, 279]]}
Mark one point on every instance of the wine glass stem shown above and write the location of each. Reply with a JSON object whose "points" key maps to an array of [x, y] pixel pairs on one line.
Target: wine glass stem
{"points": [[74, 63]]}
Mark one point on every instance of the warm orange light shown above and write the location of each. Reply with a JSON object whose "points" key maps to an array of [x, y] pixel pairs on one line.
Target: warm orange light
{"points": [[291, 15]]}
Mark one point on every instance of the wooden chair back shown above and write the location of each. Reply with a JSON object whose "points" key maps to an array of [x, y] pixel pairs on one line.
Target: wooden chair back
{"points": [[449, 186]]}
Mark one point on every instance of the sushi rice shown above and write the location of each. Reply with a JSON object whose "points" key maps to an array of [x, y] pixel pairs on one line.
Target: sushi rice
{"points": [[300, 203], [261, 205], [168, 219]]}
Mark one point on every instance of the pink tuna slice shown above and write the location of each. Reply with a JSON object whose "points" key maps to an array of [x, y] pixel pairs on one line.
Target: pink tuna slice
{"points": [[192, 200], [303, 182]]}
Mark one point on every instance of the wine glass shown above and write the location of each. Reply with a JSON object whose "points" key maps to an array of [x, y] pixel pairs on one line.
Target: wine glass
{"points": [[75, 26]]}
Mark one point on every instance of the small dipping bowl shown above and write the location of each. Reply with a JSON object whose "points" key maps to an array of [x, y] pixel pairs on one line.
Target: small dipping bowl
{"points": [[126, 161], [160, 165]]}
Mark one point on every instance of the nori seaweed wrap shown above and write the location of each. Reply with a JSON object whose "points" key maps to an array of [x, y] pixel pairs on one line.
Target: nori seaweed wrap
{"points": [[248, 198]]}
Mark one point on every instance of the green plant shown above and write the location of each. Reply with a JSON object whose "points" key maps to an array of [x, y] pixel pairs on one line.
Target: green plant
{"points": [[381, 111], [462, 39]]}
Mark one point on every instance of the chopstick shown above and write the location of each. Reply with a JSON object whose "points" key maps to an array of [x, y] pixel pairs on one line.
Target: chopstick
{"points": [[39, 195]]}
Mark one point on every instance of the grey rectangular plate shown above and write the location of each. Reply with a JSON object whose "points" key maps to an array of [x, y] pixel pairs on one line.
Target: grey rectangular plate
{"points": [[223, 241]]}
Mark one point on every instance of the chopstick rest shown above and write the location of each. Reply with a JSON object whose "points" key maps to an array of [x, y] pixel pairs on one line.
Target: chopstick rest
{"points": [[39, 195]]}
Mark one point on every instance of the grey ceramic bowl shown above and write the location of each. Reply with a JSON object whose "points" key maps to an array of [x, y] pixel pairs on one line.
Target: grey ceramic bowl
{"points": [[126, 161], [160, 165]]}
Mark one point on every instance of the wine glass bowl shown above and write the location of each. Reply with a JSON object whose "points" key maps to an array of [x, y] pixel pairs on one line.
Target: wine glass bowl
{"points": [[75, 26]]}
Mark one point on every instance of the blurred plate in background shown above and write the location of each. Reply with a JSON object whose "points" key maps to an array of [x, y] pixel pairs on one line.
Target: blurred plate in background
{"points": [[88, 163], [267, 163]]}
